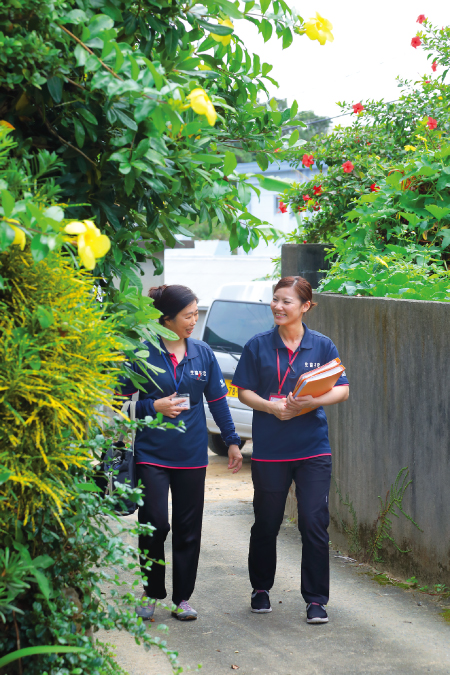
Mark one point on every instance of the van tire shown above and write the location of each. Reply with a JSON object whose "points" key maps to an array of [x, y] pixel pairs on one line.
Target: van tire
{"points": [[216, 444]]}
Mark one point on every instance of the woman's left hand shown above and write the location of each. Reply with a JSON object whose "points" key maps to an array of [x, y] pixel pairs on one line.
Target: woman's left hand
{"points": [[234, 458], [296, 405]]}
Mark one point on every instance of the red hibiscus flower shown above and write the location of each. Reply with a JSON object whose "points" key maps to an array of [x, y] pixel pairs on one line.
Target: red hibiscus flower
{"points": [[348, 167], [306, 198], [434, 66], [358, 108], [283, 207], [416, 42], [304, 241], [316, 207], [308, 160], [421, 18], [317, 189], [277, 149], [374, 187], [431, 124]]}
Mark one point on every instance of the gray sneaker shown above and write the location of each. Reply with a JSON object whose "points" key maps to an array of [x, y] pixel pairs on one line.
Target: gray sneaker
{"points": [[147, 607], [184, 612]]}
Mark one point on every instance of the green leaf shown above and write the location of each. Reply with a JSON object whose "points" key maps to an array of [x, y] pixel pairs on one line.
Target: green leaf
{"points": [[79, 132], [80, 54], [34, 651], [158, 79], [143, 109], [264, 4], [99, 23], [4, 476], [273, 103], [294, 137], [287, 38], [55, 87], [266, 29], [294, 109], [135, 70], [446, 238], [8, 203], [88, 116], [230, 162], [266, 68], [244, 193], [230, 9], [273, 184], [119, 57], [216, 28], [7, 236], [262, 160], [127, 121], [437, 211]]}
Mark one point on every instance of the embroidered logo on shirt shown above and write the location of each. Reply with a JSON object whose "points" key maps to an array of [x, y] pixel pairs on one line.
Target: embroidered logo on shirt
{"points": [[222, 383], [311, 365], [198, 373]]}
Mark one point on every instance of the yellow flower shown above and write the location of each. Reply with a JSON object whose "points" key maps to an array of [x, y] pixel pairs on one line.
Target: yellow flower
{"points": [[4, 123], [224, 39], [421, 138], [409, 148], [440, 98], [380, 260], [19, 236], [201, 104], [92, 244], [319, 29]]}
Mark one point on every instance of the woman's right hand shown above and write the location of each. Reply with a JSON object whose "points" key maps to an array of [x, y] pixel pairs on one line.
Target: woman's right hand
{"points": [[278, 408], [168, 407]]}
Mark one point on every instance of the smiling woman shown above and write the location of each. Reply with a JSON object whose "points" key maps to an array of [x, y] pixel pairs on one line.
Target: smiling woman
{"points": [[290, 442], [188, 371]]}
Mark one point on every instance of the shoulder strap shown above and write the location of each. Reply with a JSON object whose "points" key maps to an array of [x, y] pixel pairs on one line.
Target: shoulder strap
{"points": [[129, 408]]}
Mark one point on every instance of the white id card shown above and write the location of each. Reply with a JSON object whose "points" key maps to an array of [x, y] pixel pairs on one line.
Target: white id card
{"points": [[185, 404], [276, 397]]}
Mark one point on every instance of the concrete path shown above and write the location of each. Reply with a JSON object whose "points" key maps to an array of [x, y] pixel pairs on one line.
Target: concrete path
{"points": [[373, 629]]}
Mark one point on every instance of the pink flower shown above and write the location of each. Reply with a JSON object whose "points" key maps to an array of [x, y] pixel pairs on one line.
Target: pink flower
{"points": [[434, 66], [306, 198], [283, 207], [277, 150], [421, 18], [358, 108], [431, 124], [427, 81], [416, 42], [308, 160], [348, 167]]}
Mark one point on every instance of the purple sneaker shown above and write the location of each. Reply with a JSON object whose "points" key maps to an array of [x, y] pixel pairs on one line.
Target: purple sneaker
{"points": [[146, 607], [184, 612]]}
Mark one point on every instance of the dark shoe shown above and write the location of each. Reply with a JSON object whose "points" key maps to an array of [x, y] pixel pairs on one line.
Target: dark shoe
{"points": [[146, 608], [184, 612], [260, 602], [316, 613]]}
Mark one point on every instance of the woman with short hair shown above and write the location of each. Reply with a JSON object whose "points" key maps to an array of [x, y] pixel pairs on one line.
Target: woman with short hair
{"points": [[289, 447], [172, 459]]}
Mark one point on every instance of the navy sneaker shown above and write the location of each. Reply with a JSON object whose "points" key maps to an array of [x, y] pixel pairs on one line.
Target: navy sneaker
{"points": [[316, 613], [260, 602]]}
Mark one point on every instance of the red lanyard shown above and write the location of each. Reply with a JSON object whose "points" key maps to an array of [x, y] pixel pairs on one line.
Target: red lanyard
{"points": [[280, 387]]}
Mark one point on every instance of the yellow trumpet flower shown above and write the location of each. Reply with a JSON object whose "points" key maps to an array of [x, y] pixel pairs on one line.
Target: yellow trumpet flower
{"points": [[202, 105], [92, 244], [19, 236], [319, 29], [224, 39], [380, 260], [409, 148]]}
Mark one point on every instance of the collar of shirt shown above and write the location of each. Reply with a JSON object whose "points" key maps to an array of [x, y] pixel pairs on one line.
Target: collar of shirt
{"points": [[191, 351], [306, 343]]}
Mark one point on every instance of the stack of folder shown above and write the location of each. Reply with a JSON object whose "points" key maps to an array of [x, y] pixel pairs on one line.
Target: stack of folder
{"points": [[318, 381]]}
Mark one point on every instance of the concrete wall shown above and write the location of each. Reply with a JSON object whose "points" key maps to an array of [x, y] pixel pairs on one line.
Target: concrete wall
{"points": [[396, 353]]}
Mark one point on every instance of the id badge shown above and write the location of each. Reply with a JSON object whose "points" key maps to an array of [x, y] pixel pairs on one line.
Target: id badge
{"points": [[185, 404], [276, 397]]}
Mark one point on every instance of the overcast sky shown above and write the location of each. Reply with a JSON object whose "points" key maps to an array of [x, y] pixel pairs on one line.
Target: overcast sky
{"points": [[372, 45]]}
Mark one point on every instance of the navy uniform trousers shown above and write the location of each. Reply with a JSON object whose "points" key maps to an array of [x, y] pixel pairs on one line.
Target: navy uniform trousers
{"points": [[188, 490], [271, 481]]}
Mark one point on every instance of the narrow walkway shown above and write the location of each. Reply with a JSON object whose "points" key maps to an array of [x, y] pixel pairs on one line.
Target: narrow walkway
{"points": [[373, 629]]}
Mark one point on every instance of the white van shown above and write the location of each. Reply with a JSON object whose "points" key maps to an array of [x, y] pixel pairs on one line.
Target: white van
{"points": [[239, 311]]}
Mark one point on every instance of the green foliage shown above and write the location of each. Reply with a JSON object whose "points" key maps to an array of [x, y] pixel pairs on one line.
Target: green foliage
{"points": [[106, 85]]}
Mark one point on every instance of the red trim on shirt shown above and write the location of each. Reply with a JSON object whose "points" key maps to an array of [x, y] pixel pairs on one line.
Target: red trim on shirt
{"points": [[324, 454], [164, 466], [217, 399], [174, 360]]}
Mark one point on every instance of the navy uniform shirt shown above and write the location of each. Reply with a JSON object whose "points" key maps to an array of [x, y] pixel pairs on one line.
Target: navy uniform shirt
{"points": [[298, 438], [200, 374]]}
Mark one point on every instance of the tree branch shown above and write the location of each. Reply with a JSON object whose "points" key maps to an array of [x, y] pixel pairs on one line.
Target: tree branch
{"points": [[91, 52], [61, 140]]}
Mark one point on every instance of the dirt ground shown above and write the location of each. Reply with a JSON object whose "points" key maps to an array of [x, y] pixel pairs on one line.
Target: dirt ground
{"points": [[373, 629]]}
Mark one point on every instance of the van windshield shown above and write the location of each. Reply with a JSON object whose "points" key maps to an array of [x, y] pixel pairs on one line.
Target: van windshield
{"points": [[231, 324]]}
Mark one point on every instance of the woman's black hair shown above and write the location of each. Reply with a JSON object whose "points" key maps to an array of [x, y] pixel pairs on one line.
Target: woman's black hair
{"points": [[170, 300]]}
